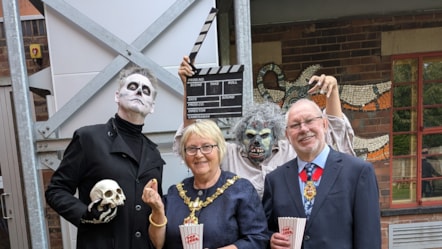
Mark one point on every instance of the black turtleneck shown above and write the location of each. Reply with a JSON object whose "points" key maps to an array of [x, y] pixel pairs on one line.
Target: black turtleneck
{"points": [[131, 134]]}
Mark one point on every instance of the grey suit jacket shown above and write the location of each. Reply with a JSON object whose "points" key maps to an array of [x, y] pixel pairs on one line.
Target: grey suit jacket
{"points": [[346, 213]]}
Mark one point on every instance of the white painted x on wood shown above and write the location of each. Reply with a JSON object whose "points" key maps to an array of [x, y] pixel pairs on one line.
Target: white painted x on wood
{"points": [[127, 52]]}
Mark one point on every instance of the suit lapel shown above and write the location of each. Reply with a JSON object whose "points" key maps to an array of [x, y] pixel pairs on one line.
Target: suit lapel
{"points": [[329, 176], [292, 182], [119, 146]]}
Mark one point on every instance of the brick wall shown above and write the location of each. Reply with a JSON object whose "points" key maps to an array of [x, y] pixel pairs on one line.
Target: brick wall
{"points": [[52, 218], [350, 50], [34, 31]]}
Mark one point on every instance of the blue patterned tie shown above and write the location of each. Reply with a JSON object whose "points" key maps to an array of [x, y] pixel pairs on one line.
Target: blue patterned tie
{"points": [[308, 204]]}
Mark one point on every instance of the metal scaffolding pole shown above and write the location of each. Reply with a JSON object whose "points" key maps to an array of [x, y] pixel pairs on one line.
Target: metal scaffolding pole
{"points": [[243, 36], [25, 129]]}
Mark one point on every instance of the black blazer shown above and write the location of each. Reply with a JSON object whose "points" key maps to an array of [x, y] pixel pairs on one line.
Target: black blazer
{"points": [[346, 213]]}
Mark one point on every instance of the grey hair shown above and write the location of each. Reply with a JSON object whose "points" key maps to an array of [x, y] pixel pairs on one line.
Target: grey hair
{"points": [[268, 113], [134, 69], [303, 101]]}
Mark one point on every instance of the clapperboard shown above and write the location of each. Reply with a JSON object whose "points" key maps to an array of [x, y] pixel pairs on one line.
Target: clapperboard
{"points": [[214, 92]]}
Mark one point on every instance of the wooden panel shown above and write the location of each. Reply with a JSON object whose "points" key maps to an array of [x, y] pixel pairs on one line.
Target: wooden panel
{"points": [[411, 41]]}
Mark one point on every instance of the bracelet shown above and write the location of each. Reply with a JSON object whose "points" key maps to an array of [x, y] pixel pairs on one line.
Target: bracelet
{"points": [[155, 224]]}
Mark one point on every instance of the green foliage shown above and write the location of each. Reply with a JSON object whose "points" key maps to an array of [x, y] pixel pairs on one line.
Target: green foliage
{"points": [[401, 192]]}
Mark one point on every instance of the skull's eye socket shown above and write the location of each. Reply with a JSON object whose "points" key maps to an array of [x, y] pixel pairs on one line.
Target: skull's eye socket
{"points": [[108, 194], [146, 90], [132, 86], [119, 191]]}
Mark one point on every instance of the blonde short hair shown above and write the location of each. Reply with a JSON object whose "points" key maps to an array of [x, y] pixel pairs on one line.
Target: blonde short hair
{"points": [[204, 128]]}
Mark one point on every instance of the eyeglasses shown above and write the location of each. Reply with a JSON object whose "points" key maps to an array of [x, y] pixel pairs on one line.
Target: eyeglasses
{"points": [[205, 149], [308, 122]]}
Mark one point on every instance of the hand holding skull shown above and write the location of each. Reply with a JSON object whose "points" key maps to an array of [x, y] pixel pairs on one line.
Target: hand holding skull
{"points": [[105, 196]]}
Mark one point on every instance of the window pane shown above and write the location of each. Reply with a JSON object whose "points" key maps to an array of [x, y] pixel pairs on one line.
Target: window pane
{"points": [[431, 176], [404, 145], [402, 121], [404, 169], [432, 166], [404, 192], [404, 180], [404, 96], [432, 117], [432, 143], [433, 93], [404, 70], [432, 69]]}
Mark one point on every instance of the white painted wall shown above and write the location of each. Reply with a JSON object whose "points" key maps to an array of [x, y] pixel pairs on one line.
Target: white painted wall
{"points": [[76, 57]]}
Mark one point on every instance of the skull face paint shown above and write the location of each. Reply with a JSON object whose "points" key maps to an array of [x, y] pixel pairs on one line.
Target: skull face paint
{"points": [[136, 95], [258, 140]]}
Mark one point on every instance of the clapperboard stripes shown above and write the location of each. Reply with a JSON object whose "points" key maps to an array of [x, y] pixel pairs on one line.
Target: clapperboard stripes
{"points": [[203, 33], [221, 70], [214, 92]]}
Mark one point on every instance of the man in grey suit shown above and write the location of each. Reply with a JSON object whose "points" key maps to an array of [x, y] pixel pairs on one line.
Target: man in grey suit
{"points": [[340, 194]]}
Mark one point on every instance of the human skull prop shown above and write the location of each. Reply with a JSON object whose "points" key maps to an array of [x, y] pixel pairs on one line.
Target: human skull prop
{"points": [[109, 192]]}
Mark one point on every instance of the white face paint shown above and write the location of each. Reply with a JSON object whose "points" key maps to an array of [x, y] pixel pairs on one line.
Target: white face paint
{"points": [[136, 95]]}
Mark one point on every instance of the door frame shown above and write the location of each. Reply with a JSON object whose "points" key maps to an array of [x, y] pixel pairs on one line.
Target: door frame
{"points": [[12, 198]]}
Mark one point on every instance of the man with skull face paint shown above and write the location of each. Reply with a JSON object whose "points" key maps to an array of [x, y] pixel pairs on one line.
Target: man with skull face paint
{"points": [[259, 144], [116, 150]]}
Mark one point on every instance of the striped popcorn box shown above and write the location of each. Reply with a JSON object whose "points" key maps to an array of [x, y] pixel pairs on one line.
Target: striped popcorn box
{"points": [[192, 236], [294, 228]]}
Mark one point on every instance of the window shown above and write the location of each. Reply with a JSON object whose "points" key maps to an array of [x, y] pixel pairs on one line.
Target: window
{"points": [[416, 139]]}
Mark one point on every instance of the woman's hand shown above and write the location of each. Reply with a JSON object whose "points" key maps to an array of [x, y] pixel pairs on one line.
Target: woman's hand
{"points": [[151, 197]]}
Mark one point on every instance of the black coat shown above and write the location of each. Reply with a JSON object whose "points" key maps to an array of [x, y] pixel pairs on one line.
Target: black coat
{"points": [[97, 152]]}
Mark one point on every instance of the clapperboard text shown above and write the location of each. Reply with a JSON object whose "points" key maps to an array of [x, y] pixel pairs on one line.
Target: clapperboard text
{"points": [[215, 92]]}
